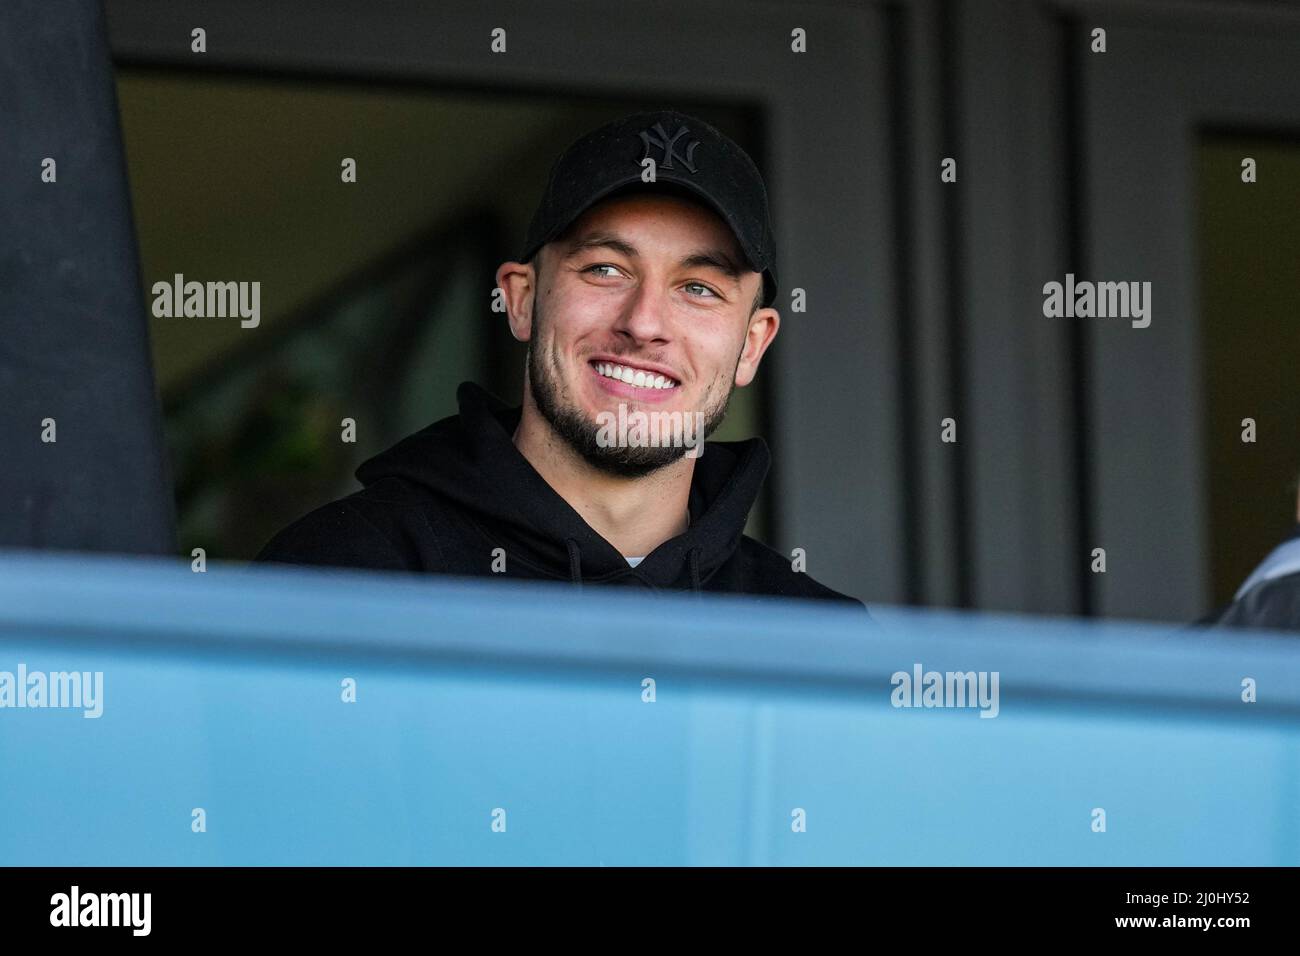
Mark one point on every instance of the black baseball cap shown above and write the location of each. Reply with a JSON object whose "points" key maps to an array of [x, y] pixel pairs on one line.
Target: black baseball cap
{"points": [[690, 156]]}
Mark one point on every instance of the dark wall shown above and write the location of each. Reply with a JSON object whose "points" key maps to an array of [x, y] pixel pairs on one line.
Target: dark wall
{"points": [[74, 361]]}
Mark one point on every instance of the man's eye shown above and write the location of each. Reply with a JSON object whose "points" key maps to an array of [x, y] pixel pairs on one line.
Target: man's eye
{"points": [[599, 265], [700, 285]]}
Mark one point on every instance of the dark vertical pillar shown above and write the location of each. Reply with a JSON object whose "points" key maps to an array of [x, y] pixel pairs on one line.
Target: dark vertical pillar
{"points": [[74, 343]]}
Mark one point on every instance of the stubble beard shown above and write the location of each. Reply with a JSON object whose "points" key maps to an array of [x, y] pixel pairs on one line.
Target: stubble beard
{"points": [[551, 396]]}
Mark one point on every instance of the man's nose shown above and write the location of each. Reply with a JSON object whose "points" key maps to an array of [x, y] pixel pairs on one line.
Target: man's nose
{"points": [[644, 315]]}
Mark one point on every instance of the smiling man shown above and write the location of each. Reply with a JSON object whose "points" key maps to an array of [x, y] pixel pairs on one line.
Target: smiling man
{"points": [[644, 294]]}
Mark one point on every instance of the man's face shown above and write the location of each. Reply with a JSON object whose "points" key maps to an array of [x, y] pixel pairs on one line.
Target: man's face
{"points": [[645, 301]]}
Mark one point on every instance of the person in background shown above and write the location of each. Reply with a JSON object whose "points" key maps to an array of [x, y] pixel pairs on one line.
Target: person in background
{"points": [[1270, 596]]}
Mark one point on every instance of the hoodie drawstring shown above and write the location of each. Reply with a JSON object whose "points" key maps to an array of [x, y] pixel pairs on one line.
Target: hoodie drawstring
{"points": [[575, 561], [693, 558], [575, 564]]}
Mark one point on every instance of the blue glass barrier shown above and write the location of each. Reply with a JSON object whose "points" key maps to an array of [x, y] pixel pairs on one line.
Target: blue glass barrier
{"points": [[514, 725]]}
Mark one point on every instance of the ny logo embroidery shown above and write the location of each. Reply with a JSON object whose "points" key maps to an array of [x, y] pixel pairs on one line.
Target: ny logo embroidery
{"points": [[669, 146]]}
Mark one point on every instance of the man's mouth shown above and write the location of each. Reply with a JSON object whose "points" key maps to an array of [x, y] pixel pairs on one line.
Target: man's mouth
{"points": [[637, 377]]}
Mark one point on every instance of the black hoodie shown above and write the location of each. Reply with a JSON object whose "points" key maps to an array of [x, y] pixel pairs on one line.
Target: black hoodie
{"points": [[457, 497]]}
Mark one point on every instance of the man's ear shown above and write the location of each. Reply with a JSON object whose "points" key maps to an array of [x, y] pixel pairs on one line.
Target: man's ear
{"points": [[762, 330], [518, 284]]}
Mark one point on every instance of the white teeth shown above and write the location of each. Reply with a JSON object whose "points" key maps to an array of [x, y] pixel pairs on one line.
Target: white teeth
{"points": [[637, 377]]}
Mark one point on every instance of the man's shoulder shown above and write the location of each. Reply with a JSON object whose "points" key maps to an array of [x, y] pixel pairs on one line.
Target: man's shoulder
{"points": [[774, 573], [360, 530]]}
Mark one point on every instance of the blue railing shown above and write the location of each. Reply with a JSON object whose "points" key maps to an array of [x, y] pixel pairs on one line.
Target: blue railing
{"points": [[514, 725]]}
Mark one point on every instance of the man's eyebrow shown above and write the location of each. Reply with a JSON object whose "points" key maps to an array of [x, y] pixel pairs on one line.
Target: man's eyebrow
{"points": [[598, 239], [701, 258], [713, 259]]}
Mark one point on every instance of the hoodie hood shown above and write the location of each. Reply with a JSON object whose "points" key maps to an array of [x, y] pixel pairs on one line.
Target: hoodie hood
{"points": [[471, 459]]}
